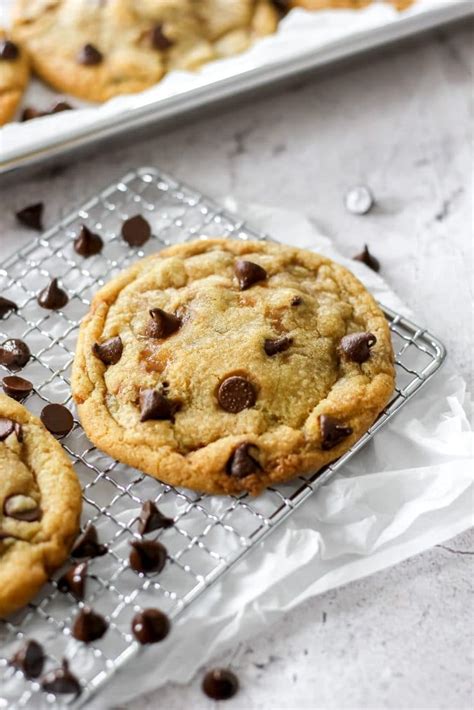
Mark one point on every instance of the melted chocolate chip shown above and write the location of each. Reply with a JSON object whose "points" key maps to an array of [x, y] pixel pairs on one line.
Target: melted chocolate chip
{"points": [[87, 243], [8, 536], [162, 324], [236, 393], [159, 40], [89, 56], [332, 431], [110, 351], [29, 659], [57, 419], [147, 556], [296, 301], [8, 50], [278, 345], [248, 273], [89, 626], [366, 258], [6, 306], [242, 463], [14, 354], [61, 681], [22, 507], [7, 427], [356, 346], [151, 519], [87, 544], [16, 387], [220, 684], [157, 406], [136, 231], [150, 626], [53, 297], [31, 216], [74, 580]]}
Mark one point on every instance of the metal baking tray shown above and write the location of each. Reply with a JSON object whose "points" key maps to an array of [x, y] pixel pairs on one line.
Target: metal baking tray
{"points": [[162, 112], [211, 533]]}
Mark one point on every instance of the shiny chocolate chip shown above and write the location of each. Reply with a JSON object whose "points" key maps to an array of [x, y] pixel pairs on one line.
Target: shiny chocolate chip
{"points": [[156, 406], [242, 462], [356, 346], [151, 519], [6, 306], [277, 345], [296, 301], [57, 419], [16, 387], [332, 431], [89, 626], [87, 243], [248, 273], [162, 324], [147, 556], [7, 427], [32, 216], [359, 200], [9, 51], [52, 296], [366, 258], [159, 40], [61, 681], [90, 56], [74, 580], [220, 684], [236, 393], [110, 351], [87, 544], [29, 659], [14, 354], [150, 626], [136, 231], [22, 507]]}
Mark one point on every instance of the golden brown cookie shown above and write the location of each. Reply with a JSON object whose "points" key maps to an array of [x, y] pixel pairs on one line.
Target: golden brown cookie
{"points": [[227, 366], [14, 75], [40, 505]]}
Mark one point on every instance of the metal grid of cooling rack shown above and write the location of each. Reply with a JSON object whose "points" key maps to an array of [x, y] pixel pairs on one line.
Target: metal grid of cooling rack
{"points": [[211, 533]]}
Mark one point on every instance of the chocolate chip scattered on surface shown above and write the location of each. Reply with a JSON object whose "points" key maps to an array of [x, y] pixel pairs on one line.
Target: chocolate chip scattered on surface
{"points": [[368, 259], [136, 231], [32, 216], [52, 296], [220, 684], [17, 387], [152, 519], [57, 419], [14, 354], [29, 659], [147, 556], [150, 626]]}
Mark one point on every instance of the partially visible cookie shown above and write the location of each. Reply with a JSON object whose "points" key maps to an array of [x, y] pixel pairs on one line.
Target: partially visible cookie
{"points": [[14, 75], [40, 505], [344, 4]]}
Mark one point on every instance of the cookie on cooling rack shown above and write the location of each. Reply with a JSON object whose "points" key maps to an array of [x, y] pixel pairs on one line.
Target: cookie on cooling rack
{"points": [[228, 366], [40, 505], [96, 50], [14, 75]]}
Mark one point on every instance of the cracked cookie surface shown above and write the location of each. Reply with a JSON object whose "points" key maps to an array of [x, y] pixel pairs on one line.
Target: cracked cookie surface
{"points": [[222, 365], [40, 505], [14, 75]]}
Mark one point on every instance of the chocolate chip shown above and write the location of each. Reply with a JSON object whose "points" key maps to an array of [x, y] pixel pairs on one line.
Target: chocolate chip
{"points": [[6, 306], [87, 544], [296, 301], [53, 297], [29, 112], [31, 216], [220, 684], [29, 659], [19, 432], [150, 626], [359, 200], [236, 393], [61, 681], [14, 354], [16, 387], [22, 507], [332, 431], [151, 519], [147, 556], [89, 56], [136, 231], [74, 580], [278, 345], [366, 258], [356, 346], [110, 351], [89, 626], [242, 463], [59, 107], [7, 427], [159, 40], [162, 324], [87, 243], [248, 273], [57, 419], [154, 405], [8, 50]]}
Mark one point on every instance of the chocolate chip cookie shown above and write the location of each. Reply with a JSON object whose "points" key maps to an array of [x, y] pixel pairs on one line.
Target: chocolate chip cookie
{"points": [[14, 75], [227, 366], [40, 505], [95, 49], [344, 4]]}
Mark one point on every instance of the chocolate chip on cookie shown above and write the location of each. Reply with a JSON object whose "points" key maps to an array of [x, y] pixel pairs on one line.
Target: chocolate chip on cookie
{"points": [[87, 243], [90, 56], [89, 626], [52, 296], [248, 273], [87, 544], [220, 684], [32, 216], [147, 556], [277, 345], [236, 393], [356, 346], [22, 507], [159, 40], [296, 301], [242, 463], [157, 406], [14, 353], [150, 626], [9, 51], [110, 351], [136, 231], [29, 659], [151, 519], [332, 431], [74, 580], [61, 681], [366, 258], [16, 387], [57, 419], [6, 306], [162, 324], [7, 427]]}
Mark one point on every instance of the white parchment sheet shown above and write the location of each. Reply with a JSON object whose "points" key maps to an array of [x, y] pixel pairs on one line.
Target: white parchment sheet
{"points": [[409, 489]]}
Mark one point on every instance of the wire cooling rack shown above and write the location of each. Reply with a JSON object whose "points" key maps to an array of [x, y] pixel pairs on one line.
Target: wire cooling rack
{"points": [[211, 533]]}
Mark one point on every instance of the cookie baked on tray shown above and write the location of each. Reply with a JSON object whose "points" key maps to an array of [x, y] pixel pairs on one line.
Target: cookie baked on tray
{"points": [[227, 366], [14, 75], [40, 505]]}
